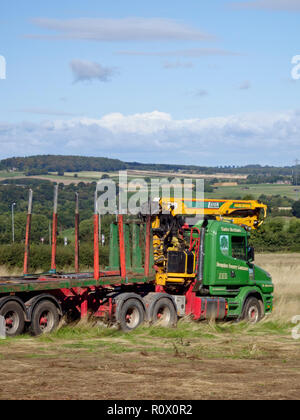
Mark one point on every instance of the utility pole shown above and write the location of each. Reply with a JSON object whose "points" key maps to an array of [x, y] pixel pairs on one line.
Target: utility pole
{"points": [[296, 175], [13, 221], [296, 170]]}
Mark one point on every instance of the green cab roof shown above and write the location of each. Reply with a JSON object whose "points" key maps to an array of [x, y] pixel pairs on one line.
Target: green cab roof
{"points": [[215, 226]]}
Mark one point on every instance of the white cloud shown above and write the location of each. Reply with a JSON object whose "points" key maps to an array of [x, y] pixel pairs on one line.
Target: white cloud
{"points": [[127, 29], [88, 70], [283, 5], [157, 137]]}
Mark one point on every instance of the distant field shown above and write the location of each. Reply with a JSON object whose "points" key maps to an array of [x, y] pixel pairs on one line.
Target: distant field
{"points": [[61, 179], [221, 192], [5, 175], [185, 175], [89, 174], [256, 190]]}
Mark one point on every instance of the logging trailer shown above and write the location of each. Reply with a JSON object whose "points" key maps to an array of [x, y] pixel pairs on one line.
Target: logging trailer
{"points": [[160, 269]]}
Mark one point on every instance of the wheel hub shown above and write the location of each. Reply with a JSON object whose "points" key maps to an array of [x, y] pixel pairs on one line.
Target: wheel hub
{"points": [[132, 318], [253, 314], [46, 321], [11, 321]]}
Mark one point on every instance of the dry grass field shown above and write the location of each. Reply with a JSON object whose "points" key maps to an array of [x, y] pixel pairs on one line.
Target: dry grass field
{"points": [[285, 271], [192, 362]]}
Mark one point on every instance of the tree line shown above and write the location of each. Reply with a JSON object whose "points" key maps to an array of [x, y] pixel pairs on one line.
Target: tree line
{"points": [[42, 164], [277, 235]]}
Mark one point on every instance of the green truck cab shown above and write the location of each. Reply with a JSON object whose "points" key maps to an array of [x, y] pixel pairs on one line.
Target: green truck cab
{"points": [[229, 271]]}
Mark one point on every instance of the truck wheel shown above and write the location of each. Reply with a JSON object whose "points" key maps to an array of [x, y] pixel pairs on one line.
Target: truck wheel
{"points": [[45, 318], [14, 318], [131, 315], [252, 311], [164, 313]]}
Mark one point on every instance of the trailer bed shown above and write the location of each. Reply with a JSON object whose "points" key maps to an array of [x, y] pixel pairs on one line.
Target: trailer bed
{"points": [[66, 281]]}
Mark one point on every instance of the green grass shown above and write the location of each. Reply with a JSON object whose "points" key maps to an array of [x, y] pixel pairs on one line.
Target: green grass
{"points": [[189, 341], [68, 233], [185, 330], [264, 327], [5, 174], [85, 334]]}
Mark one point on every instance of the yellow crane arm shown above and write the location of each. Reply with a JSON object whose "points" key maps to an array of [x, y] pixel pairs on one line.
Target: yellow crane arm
{"points": [[247, 213]]}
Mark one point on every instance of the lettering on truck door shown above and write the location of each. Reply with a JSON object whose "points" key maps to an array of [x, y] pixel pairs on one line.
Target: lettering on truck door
{"points": [[231, 265]]}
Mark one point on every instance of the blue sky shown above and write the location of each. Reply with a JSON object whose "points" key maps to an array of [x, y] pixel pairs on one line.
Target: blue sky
{"points": [[205, 83]]}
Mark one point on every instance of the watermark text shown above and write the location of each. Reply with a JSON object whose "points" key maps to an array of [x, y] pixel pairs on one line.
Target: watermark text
{"points": [[141, 196]]}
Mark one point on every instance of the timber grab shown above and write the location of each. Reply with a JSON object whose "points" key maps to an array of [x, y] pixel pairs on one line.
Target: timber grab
{"points": [[174, 240]]}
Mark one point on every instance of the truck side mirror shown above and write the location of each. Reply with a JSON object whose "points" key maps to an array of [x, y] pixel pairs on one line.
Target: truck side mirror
{"points": [[251, 255]]}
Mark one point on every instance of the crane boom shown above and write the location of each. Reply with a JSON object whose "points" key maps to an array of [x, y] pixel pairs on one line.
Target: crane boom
{"points": [[247, 213]]}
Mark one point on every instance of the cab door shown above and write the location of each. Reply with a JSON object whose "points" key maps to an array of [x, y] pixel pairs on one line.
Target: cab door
{"points": [[238, 266], [231, 268]]}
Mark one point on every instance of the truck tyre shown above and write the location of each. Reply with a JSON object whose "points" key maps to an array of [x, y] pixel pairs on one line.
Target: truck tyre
{"points": [[14, 318], [252, 311], [45, 318], [164, 313], [131, 315]]}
